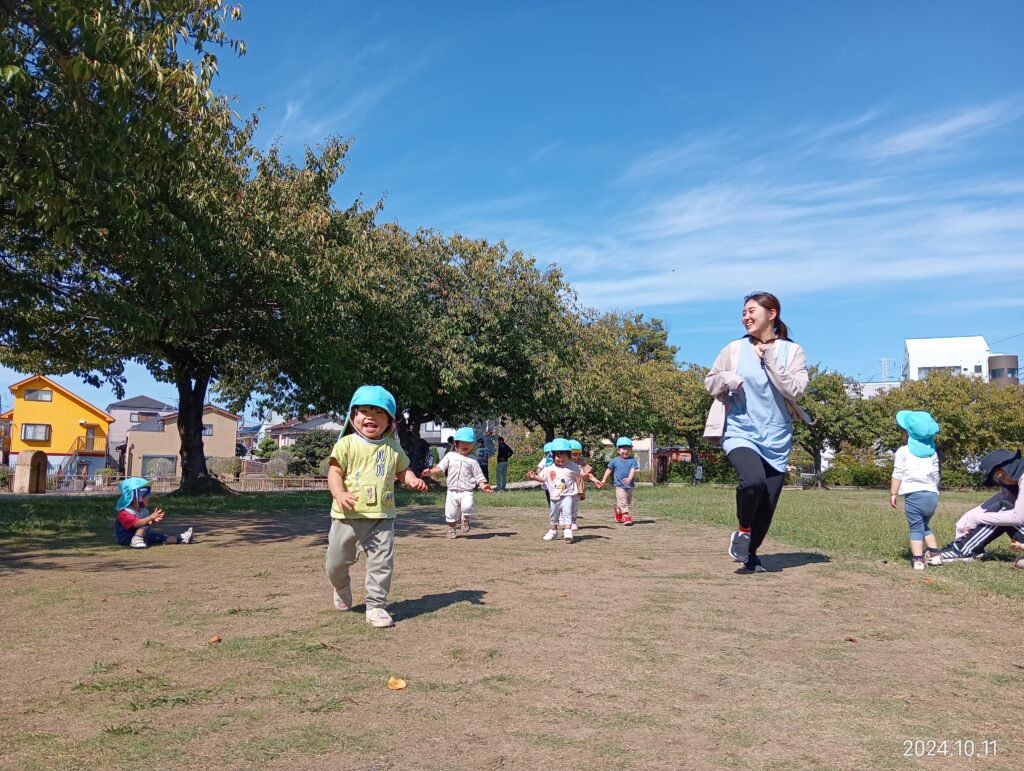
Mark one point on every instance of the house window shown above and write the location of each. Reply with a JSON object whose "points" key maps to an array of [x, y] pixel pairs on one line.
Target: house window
{"points": [[159, 466], [977, 369], [207, 429], [38, 395], [35, 432], [139, 417]]}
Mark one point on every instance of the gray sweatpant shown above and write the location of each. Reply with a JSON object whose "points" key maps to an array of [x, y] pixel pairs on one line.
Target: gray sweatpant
{"points": [[376, 539]]}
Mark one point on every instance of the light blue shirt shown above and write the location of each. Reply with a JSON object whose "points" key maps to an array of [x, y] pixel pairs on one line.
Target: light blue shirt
{"points": [[757, 417]]}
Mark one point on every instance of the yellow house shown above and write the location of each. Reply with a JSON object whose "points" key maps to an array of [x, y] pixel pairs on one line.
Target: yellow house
{"points": [[48, 417]]}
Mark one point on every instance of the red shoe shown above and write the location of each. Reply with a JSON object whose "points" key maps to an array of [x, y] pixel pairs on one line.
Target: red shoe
{"points": [[626, 520], [618, 516]]}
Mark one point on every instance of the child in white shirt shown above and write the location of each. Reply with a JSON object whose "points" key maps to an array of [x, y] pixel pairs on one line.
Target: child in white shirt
{"points": [[563, 481], [915, 476], [462, 475]]}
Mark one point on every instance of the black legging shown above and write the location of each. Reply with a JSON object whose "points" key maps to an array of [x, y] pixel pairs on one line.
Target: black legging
{"points": [[757, 493]]}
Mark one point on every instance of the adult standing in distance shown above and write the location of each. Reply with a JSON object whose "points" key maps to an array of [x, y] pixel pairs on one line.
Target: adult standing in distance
{"points": [[504, 453], [757, 381]]}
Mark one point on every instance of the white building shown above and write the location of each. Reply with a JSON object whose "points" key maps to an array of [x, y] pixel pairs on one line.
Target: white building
{"points": [[956, 355]]}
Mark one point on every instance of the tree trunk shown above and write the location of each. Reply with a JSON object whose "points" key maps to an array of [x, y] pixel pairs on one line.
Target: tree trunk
{"points": [[195, 477], [818, 481], [549, 432], [411, 441]]}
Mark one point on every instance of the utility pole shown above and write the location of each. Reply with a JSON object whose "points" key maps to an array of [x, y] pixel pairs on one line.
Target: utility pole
{"points": [[885, 368]]}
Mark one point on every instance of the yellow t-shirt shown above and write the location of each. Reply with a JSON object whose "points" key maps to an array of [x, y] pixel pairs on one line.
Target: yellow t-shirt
{"points": [[369, 468]]}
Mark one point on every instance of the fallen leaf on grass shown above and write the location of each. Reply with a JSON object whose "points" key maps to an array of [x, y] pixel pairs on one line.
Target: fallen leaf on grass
{"points": [[331, 646], [396, 684], [214, 640], [930, 581], [850, 639]]}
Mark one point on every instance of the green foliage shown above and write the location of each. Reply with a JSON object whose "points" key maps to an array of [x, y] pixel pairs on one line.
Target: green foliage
{"points": [[313, 448], [284, 463], [6, 477], [847, 470], [225, 468], [265, 448], [838, 411]]}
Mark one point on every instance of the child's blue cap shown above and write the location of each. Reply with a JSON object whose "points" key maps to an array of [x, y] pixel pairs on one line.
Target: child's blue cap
{"points": [[561, 445], [623, 441], [128, 489], [465, 434], [369, 396], [921, 429], [547, 447], [575, 445]]}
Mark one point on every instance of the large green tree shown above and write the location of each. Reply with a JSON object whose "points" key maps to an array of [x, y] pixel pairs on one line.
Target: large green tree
{"points": [[834, 403], [138, 223]]}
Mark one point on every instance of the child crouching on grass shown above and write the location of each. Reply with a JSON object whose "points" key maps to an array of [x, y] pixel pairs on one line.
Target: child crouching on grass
{"points": [[463, 475], [133, 521], [624, 468], [562, 480], [363, 467], [915, 476]]}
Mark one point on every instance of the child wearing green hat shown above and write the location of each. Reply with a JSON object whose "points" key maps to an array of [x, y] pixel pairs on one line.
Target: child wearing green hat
{"points": [[915, 476], [363, 467], [133, 520], [463, 475]]}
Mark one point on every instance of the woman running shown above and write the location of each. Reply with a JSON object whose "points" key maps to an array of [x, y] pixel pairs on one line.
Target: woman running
{"points": [[756, 382]]}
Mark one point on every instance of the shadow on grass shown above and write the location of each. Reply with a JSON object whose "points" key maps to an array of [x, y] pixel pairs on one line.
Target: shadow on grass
{"points": [[431, 603], [775, 563], [586, 537], [485, 536]]}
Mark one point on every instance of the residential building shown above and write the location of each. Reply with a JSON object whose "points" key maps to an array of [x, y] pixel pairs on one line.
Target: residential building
{"points": [[955, 355], [48, 417], [286, 433], [128, 413], [1003, 368], [158, 439], [868, 390]]}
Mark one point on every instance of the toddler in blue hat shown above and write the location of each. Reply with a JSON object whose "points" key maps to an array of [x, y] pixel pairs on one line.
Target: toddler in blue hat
{"points": [[463, 474], [562, 481], [915, 476], [132, 525], [361, 473]]}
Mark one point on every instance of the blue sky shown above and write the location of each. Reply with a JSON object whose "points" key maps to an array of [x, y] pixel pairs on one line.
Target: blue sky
{"points": [[861, 160]]}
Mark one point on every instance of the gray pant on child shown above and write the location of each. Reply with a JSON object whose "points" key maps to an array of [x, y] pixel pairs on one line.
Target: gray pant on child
{"points": [[375, 538]]}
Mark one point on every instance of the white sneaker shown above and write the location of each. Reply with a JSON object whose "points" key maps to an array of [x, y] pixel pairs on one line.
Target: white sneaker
{"points": [[934, 559], [918, 564], [380, 618], [567, 534], [574, 527], [550, 535], [185, 537], [343, 600], [138, 542]]}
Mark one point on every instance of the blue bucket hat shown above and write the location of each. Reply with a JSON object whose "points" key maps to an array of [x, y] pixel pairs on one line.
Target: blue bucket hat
{"points": [[465, 434], [623, 441], [370, 396], [575, 445], [921, 429], [561, 445], [129, 488], [547, 448]]}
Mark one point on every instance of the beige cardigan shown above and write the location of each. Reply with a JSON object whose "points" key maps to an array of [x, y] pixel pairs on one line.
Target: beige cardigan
{"points": [[790, 380]]}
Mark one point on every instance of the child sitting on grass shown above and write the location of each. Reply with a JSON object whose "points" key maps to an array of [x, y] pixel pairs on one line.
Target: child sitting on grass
{"points": [[463, 476], [361, 474], [624, 468], [562, 480], [915, 476], [133, 521]]}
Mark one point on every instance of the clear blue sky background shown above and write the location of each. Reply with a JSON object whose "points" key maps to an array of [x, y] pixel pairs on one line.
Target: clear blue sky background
{"points": [[862, 160]]}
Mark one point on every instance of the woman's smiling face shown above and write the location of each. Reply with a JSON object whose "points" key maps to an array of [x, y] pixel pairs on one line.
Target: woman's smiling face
{"points": [[757, 319]]}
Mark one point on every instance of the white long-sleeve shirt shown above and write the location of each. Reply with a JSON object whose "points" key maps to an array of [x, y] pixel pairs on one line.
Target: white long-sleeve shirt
{"points": [[1005, 508], [462, 473], [915, 474]]}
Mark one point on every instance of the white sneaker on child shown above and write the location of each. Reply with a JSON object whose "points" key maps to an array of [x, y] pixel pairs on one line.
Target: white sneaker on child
{"points": [[934, 559], [568, 534], [138, 542], [185, 537], [343, 600], [379, 618], [550, 535], [574, 527], [918, 564]]}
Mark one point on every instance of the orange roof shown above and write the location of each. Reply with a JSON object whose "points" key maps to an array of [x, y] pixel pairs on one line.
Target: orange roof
{"points": [[72, 396]]}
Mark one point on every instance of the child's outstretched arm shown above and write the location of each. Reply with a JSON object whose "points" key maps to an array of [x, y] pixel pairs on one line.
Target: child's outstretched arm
{"points": [[336, 484], [429, 472], [410, 480]]}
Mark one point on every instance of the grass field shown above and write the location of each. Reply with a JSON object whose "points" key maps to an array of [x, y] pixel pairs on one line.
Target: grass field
{"points": [[630, 648]]}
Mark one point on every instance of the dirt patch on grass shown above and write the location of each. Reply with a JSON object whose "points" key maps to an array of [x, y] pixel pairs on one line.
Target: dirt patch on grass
{"points": [[630, 648]]}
